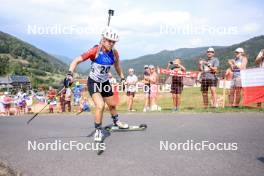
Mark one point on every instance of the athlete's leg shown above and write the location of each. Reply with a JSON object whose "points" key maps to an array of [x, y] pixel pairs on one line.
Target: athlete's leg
{"points": [[99, 107], [110, 101]]}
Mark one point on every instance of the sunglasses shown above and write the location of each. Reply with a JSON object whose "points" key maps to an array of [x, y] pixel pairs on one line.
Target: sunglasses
{"points": [[110, 41], [210, 52]]}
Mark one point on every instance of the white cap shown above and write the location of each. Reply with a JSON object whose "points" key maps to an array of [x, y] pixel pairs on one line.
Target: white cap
{"points": [[110, 34], [6, 93], [131, 70], [210, 50], [151, 66], [239, 50], [146, 66]]}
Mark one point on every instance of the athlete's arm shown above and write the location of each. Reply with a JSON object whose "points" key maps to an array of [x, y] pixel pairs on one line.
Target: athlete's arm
{"points": [[90, 54], [74, 63]]}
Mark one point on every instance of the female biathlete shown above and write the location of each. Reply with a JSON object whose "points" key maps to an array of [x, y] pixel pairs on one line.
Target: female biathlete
{"points": [[103, 56]]}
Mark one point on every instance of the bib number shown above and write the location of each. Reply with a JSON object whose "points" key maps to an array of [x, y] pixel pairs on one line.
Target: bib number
{"points": [[104, 70]]}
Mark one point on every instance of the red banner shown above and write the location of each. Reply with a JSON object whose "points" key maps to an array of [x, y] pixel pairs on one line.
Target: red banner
{"points": [[188, 74]]}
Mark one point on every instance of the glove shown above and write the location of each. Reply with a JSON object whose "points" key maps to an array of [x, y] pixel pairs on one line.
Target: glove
{"points": [[68, 80]]}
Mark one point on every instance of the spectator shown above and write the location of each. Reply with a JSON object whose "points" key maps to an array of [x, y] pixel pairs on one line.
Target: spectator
{"points": [[2, 108], [153, 79], [7, 100], [68, 96], [237, 64], [51, 99], [112, 80], [62, 100], [209, 69], [77, 90], [84, 105], [146, 88], [228, 79], [29, 102], [260, 61], [177, 83], [131, 82]]}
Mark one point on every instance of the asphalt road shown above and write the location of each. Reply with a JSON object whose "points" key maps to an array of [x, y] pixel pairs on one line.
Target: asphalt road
{"points": [[138, 153]]}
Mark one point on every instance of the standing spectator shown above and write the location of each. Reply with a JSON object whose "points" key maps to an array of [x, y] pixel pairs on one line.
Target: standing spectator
{"points": [[237, 64], [146, 88], [177, 83], [62, 100], [77, 90], [228, 80], [153, 79], [209, 69], [112, 80], [2, 108], [68, 96], [260, 61], [7, 100], [29, 102], [51, 99], [131, 82]]}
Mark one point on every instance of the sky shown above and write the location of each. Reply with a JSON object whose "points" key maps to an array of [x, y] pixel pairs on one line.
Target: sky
{"points": [[71, 27]]}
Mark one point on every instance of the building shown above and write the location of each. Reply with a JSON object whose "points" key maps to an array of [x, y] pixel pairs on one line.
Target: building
{"points": [[15, 82]]}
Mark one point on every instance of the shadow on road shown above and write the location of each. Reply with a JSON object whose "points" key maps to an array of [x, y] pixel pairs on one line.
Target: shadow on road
{"points": [[261, 159]]}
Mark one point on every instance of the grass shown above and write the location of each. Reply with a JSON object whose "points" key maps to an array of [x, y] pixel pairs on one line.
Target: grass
{"points": [[191, 102]]}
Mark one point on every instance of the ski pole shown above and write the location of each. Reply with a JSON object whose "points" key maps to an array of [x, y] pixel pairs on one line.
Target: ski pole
{"points": [[44, 107]]}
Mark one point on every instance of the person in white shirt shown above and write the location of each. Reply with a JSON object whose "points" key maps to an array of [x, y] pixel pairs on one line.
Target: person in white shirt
{"points": [[131, 82], [112, 80]]}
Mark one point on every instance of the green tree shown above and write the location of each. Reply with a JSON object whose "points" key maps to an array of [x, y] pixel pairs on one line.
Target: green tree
{"points": [[4, 65]]}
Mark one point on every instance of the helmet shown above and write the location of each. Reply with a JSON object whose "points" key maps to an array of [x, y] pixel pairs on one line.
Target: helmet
{"points": [[77, 83], [110, 34]]}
